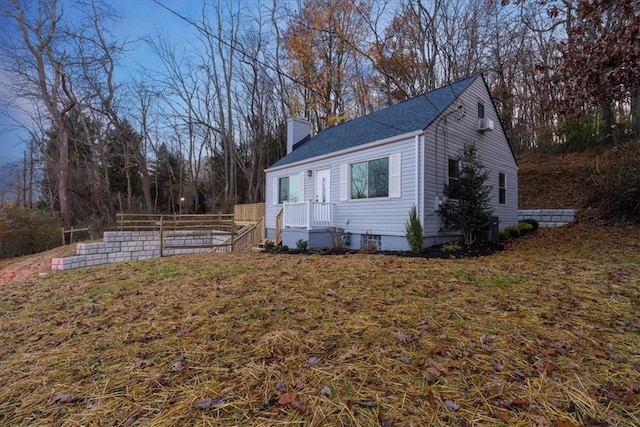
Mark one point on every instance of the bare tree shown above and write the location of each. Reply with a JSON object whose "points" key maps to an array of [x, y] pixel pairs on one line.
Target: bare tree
{"points": [[143, 100], [221, 44], [38, 60]]}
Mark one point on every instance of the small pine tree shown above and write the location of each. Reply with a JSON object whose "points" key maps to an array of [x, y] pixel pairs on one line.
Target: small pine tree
{"points": [[468, 205], [413, 231]]}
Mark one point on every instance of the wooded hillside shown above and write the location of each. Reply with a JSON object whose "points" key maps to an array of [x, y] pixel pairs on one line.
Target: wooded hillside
{"points": [[193, 127], [554, 181]]}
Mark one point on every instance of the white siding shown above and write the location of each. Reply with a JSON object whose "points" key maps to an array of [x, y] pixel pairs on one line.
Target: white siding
{"points": [[386, 215], [445, 139]]}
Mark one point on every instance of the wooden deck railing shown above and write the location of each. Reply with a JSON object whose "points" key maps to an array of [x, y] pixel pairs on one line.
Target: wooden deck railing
{"points": [[247, 237], [153, 222], [252, 233], [279, 227], [85, 232], [249, 212], [170, 227]]}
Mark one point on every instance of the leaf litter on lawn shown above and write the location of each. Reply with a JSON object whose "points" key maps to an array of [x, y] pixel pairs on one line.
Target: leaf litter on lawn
{"points": [[361, 340]]}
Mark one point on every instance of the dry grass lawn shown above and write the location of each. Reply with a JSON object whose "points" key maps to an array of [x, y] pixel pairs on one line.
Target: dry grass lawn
{"points": [[546, 333]]}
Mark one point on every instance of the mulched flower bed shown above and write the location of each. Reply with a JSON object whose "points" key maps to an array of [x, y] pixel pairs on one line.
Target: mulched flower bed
{"points": [[475, 250]]}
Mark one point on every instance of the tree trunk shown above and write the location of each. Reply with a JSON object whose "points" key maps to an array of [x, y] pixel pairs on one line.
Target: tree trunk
{"points": [[635, 116], [63, 174], [146, 187], [611, 132]]}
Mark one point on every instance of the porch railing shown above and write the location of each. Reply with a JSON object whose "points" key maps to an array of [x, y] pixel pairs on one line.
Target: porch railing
{"points": [[308, 215]]}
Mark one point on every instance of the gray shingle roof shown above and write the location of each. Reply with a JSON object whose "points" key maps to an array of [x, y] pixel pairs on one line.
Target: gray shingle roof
{"points": [[407, 116]]}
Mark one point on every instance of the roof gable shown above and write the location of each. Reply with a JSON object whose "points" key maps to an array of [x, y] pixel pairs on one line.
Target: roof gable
{"points": [[407, 116]]}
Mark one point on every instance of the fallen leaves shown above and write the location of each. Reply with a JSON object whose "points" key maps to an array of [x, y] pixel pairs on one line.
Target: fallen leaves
{"points": [[368, 402], [350, 354], [181, 366], [441, 350], [61, 398], [287, 398], [380, 349], [208, 403], [327, 391], [142, 363], [313, 361], [403, 338], [431, 399], [451, 405], [293, 400]]}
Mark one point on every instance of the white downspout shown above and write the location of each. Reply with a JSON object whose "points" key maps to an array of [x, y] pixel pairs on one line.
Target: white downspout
{"points": [[422, 174], [419, 161], [417, 173]]}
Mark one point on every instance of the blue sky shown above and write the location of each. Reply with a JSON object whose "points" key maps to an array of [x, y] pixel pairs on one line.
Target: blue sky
{"points": [[139, 18]]}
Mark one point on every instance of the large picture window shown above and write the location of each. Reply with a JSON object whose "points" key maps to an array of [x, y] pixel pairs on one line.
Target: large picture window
{"points": [[289, 189], [370, 179]]}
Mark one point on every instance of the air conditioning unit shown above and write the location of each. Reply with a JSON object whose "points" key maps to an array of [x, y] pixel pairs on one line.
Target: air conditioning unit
{"points": [[485, 124]]}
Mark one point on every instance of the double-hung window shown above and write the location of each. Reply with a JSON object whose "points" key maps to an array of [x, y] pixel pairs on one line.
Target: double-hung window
{"points": [[453, 175], [502, 188], [454, 171]]}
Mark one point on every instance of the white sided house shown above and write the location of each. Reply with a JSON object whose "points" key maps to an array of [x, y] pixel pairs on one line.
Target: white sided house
{"points": [[362, 177]]}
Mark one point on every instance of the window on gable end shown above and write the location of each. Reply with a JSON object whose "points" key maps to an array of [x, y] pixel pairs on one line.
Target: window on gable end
{"points": [[502, 188], [480, 110], [455, 168], [454, 171]]}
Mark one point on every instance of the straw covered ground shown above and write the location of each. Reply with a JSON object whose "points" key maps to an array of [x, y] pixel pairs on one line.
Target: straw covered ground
{"points": [[545, 333]]}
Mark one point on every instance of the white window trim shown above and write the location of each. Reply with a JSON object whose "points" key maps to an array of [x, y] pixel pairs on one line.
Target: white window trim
{"points": [[500, 188], [395, 179], [449, 171], [276, 187]]}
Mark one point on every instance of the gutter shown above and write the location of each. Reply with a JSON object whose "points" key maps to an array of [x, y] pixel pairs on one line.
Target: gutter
{"points": [[349, 150]]}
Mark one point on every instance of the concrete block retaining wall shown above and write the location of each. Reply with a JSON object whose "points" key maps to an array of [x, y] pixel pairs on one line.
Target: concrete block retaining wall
{"points": [[121, 246], [549, 217]]}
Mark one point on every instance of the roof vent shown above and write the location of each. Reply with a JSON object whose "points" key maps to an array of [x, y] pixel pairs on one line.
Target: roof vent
{"points": [[485, 124]]}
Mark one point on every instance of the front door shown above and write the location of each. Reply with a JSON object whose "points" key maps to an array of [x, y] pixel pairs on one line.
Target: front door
{"points": [[323, 187]]}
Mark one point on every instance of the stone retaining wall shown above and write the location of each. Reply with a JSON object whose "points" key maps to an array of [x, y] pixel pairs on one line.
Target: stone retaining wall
{"points": [[549, 217], [120, 246]]}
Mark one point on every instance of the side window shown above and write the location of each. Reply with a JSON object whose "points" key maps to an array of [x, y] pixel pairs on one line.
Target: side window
{"points": [[454, 178], [480, 110], [502, 188], [288, 189], [454, 171]]}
